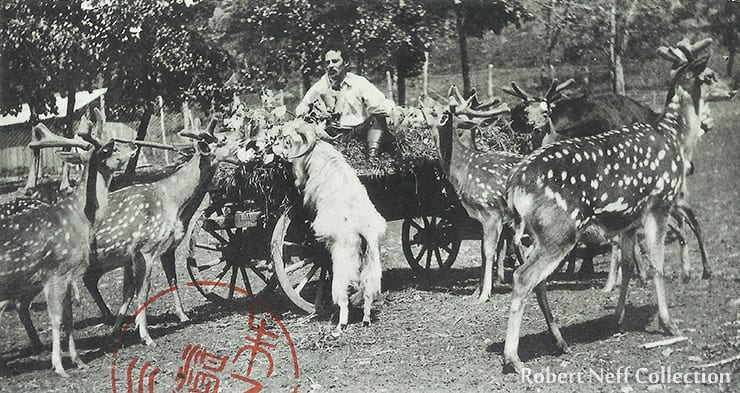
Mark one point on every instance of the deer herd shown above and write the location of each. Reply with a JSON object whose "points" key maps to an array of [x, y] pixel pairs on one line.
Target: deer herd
{"points": [[600, 165]]}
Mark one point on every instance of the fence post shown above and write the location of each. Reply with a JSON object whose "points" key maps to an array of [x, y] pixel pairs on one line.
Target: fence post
{"points": [[490, 81], [161, 126], [425, 73]]}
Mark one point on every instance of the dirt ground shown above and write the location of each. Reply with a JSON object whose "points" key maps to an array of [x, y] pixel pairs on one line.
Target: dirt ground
{"points": [[427, 334]]}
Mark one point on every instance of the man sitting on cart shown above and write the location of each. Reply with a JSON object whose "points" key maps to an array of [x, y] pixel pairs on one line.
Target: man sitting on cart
{"points": [[353, 104]]}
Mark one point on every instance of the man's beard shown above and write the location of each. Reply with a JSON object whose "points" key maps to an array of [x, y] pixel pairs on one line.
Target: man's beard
{"points": [[334, 79]]}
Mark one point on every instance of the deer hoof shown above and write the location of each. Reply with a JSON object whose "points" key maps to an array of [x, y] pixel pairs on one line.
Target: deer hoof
{"points": [[564, 347], [706, 275], [148, 341], [481, 299], [513, 366], [60, 371], [670, 329], [366, 324]]}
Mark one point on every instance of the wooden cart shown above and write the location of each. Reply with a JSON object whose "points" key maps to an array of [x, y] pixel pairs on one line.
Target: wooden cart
{"points": [[238, 247]]}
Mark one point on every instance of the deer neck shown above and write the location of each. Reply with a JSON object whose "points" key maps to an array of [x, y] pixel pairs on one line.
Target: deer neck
{"points": [[681, 119], [190, 180], [91, 195], [454, 156]]}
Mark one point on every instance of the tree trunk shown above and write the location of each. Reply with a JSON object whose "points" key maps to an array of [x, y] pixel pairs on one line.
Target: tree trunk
{"points": [[140, 135], [401, 89], [616, 70], [69, 132], [462, 40], [69, 120]]}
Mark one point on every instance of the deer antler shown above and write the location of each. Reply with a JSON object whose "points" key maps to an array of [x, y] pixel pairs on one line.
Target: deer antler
{"points": [[518, 92], [460, 106], [556, 90]]}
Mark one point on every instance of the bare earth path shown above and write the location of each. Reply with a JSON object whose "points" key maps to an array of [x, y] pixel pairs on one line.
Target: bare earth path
{"points": [[427, 334]]}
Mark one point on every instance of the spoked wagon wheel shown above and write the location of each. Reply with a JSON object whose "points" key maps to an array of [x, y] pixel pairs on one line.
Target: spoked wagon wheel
{"points": [[224, 249], [302, 265], [426, 238]]}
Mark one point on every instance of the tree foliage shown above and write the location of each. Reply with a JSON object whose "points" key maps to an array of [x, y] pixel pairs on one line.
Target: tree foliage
{"points": [[641, 26], [139, 49], [276, 38], [46, 48]]}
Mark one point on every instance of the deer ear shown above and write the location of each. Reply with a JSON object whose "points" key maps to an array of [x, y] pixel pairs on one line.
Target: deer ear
{"points": [[70, 157]]}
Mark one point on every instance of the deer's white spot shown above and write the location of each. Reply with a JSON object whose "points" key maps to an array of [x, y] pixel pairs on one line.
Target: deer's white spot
{"points": [[572, 180], [594, 184], [616, 166], [577, 157], [564, 175], [604, 197], [574, 214], [550, 174], [616, 206]]}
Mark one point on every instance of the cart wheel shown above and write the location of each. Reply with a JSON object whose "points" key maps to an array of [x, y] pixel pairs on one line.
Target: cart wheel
{"points": [[219, 253], [302, 265], [429, 237]]}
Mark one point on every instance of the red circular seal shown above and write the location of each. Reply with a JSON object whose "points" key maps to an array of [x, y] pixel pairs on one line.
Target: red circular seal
{"points": [[250, 366]]}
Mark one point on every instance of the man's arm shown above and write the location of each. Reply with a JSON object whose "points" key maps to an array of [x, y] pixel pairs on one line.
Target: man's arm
{"points": [[375, 101], [311, 95]]}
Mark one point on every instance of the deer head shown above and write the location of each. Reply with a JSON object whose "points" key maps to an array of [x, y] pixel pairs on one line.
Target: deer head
{"points": [[533, 113]]}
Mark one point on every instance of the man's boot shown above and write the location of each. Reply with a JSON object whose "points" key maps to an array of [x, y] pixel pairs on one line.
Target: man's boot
{"points": [[374, 137]]}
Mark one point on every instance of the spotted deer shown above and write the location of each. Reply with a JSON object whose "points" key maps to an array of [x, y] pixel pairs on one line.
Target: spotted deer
{"points": [[555, 117], [478, 178], [620, 180], [40, 248], [148, 221]]}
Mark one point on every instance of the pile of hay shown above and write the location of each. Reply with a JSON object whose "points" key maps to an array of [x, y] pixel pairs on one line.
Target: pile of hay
{"points": [[409, 150]]}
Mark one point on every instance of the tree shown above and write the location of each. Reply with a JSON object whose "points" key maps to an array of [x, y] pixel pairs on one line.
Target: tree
{"points": [[722, 19], [618, 28], [394, 36], [139, 49], [274, 38], [46, 48], [151, 49], [474, 18]]}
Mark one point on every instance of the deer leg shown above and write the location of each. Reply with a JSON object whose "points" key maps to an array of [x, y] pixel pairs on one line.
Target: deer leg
{"points": [[679, 229], [141, 299], [168, 264], [655, 231], [501, 258], [690, 217], [23, 307], [54, 290], [491, 235], [131, 282], [91, 279], [541, 291], [627, 241], [68, 323], [614, 267], [540, 263]]}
